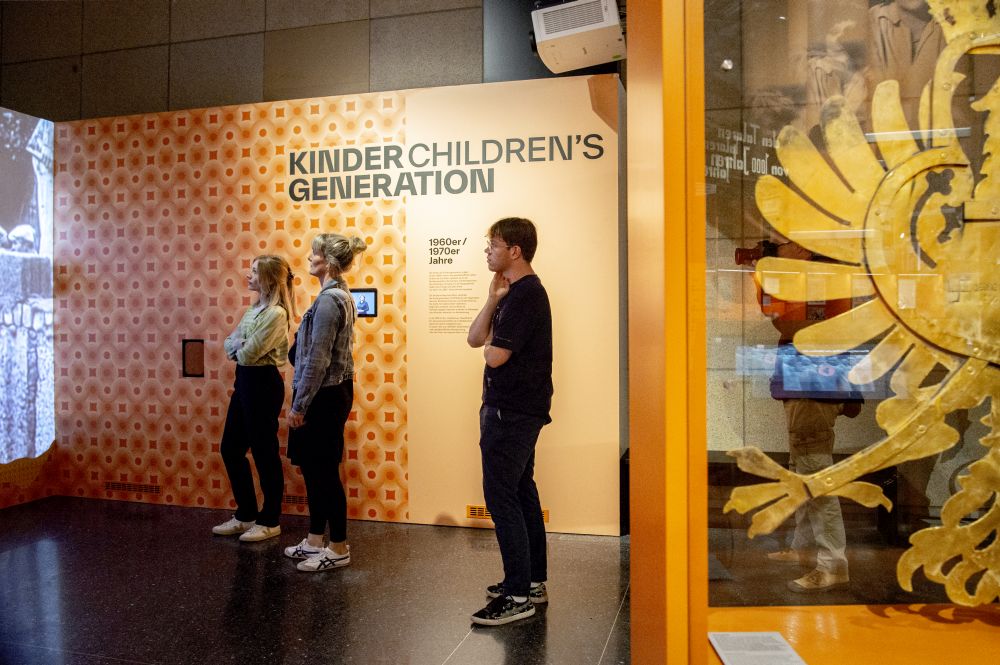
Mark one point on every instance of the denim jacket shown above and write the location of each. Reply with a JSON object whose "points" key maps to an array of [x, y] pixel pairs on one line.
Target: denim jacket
{"points": [[323, 344]]}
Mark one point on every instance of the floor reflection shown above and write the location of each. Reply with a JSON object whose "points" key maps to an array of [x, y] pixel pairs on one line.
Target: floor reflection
{"points": [[101, 582], [741, 574], [32, 611]]}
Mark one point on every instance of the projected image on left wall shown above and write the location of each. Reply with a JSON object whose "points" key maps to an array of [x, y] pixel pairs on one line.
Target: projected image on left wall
{"points": [[27, 388]]}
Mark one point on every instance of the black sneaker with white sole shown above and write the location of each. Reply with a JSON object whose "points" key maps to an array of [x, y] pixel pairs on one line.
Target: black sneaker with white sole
{"points": [[501, 610], [536, 595]]}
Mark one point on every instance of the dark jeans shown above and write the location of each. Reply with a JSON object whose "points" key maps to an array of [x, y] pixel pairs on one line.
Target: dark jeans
{"points": [[252, 424], [318, 448], [507, 443]]}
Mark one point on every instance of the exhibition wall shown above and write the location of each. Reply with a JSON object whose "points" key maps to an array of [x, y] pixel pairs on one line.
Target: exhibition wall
{"points": [[71, 60], [157, 220], [568, 185]]}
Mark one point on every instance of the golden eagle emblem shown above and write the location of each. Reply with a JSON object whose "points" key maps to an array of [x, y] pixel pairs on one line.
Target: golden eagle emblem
{"points": [[916, 230]]}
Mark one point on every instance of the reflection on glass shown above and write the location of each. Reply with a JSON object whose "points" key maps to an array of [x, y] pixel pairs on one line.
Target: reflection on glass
{"points": [[853, 184], [38, 624]]}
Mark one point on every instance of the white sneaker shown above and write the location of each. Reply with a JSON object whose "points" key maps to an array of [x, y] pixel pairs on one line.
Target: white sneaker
{"points": [[257, 533], [302, 551], [231, 527], [325, 560], [818, 581]]}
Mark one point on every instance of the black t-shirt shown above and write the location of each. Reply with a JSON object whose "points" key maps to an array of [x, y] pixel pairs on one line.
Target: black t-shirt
{"points": [[522, 324]]}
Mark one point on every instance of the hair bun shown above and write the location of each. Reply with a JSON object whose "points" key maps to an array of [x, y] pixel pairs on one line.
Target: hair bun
{"points": [[357, 245]]}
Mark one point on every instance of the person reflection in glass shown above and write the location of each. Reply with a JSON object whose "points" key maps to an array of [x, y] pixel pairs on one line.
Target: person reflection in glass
{"points": [[905, 45], [810, 416]]}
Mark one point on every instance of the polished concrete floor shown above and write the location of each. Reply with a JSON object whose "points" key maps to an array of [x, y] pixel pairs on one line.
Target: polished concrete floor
{"points": [[102, 582]]}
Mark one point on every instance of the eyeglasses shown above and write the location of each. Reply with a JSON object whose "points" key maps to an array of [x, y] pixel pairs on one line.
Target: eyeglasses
{"points": [[491, 246]]}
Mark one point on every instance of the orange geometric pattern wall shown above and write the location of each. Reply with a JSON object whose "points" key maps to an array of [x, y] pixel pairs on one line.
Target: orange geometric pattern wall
{"points": [[157, 219]]}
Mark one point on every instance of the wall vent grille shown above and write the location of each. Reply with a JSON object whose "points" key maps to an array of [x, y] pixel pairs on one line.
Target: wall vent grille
{"points": [[141, 488], [296, 499], [480, 513]]}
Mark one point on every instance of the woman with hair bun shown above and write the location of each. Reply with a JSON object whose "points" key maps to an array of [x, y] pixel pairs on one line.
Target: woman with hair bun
{"points": [[259, 345], [323, 392]]}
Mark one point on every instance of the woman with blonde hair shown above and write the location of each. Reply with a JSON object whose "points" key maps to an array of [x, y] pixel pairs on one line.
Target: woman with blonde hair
{"points": [[323, 392], [259, 345]]}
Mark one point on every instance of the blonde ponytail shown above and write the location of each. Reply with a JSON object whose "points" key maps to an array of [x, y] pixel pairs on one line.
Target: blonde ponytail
{"points": [[277, 283]]}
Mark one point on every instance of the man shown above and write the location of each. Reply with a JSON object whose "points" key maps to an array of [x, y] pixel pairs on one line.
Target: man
{"points": [[905, 45], [810, 418], [515, 330]]}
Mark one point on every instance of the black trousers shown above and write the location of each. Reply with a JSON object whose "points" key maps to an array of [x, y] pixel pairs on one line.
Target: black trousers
{"points": [[507, 443], [252, 425], [317, 447]]}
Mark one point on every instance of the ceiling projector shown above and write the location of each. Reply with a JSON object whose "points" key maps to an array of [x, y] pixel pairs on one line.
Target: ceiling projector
{"points": [[573, 35]]}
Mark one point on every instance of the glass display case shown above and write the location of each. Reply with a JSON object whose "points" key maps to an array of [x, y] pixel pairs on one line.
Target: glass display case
{"points": [[853, 301]]}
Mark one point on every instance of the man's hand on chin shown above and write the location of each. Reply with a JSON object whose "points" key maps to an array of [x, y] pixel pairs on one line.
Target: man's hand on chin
{"points": [[499, 286]]}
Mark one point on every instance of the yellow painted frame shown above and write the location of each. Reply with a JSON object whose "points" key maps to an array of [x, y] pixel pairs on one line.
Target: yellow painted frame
{"points": [[667, 363], [670, 617]]}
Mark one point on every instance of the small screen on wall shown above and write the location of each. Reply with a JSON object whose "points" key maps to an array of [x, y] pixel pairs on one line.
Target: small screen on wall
{"points": [[366, 301]]}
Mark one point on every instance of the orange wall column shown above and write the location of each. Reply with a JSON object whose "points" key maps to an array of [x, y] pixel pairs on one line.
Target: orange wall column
{"points": [[647, 335], [668, 459]]}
